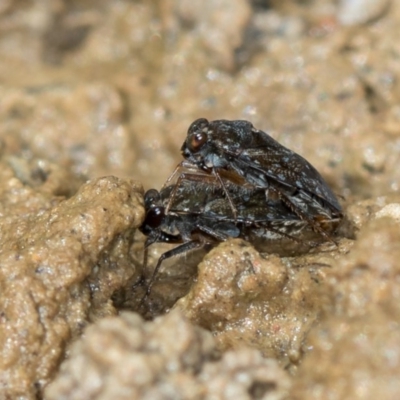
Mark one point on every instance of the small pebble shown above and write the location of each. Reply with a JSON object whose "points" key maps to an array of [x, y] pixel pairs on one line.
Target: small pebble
{"points": [[355, 12]]}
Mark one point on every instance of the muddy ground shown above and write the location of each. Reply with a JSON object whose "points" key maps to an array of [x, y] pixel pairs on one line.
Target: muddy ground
{"points": [[96, 98]]}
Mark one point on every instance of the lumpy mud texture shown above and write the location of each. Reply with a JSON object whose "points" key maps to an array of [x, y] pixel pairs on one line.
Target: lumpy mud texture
{"points": [[61, 261], [98, 88], [169, 358]]}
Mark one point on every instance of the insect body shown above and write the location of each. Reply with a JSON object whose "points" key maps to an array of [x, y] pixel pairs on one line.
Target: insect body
{"points": [[200, 215], [264, 163]]}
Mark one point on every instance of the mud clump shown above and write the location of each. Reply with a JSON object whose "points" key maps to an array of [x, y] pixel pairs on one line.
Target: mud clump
{"points": [[61, 261], [126, 358], [265, 302], [356, 344]]}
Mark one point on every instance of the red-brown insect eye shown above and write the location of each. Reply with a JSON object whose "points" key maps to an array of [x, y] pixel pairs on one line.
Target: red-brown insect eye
{"points": [[197, 141]]}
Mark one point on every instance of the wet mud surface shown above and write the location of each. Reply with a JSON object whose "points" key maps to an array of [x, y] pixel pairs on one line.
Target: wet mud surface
{"points": [[96, 98]]}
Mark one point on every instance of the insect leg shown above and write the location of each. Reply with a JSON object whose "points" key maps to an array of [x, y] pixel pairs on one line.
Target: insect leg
{"points": [[220, 236], [193, 177], [180, 166], [183, 248], [221, 182], [302, 215]]}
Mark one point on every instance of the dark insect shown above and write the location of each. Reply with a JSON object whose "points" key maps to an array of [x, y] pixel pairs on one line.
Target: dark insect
{"points": [[261, 161], [200, 216]]}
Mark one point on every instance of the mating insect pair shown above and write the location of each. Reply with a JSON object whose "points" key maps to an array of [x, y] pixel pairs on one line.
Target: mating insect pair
{"points": [[242, 183]]}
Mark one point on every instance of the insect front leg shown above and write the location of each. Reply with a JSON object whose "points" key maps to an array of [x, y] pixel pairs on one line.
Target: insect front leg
{"points": [[188, 176], [182, 165]]}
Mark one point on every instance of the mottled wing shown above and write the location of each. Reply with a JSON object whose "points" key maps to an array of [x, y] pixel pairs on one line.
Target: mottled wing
{"points": [[265, 160]]}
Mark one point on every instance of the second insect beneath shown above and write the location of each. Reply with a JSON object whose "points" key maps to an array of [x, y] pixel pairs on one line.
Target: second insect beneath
{"points": [[238, 182]]}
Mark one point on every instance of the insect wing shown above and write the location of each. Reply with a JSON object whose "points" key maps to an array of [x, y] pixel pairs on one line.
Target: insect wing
{"points": [[264, 159]]}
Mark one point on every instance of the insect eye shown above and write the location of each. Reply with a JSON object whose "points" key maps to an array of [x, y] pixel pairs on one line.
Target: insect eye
{"points": [[154, 217], [151, 197], [197, 141]]}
